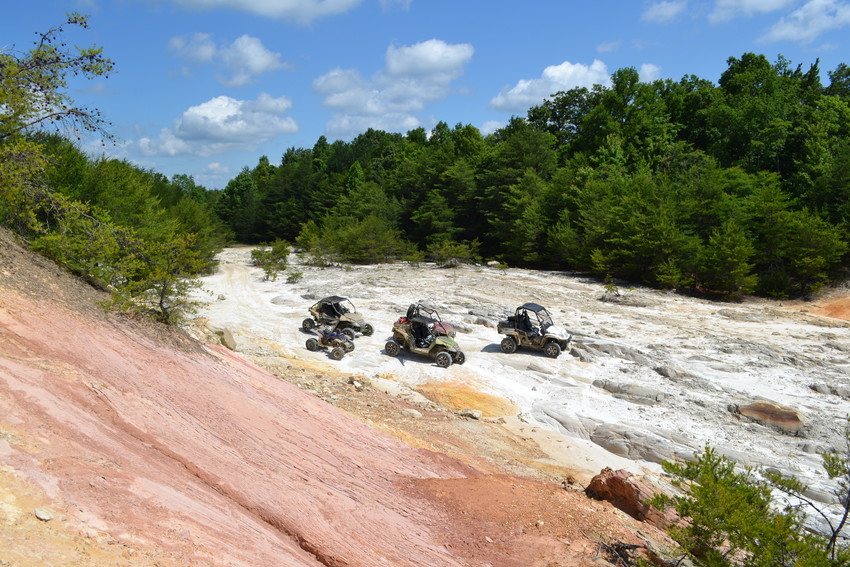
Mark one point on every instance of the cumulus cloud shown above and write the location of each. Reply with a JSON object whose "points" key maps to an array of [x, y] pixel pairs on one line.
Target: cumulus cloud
{"points": [[491, 126], [810, 21], [649, 72], [197, 48], [530, 92], [222, 124], [664, 12], [215, 168], [413, 77], [608, 47], [433, 59], [725, 10], [244, 59], [301, 11]]}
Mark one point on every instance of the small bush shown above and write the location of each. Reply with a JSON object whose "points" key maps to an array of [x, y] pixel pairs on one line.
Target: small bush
{"points": [[272, 258], [731, 520], [448, 253]]}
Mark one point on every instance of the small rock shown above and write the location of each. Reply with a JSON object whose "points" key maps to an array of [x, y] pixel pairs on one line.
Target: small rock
{"points": [[225, 337], [410, 412], [471, 413], [43, 514]]}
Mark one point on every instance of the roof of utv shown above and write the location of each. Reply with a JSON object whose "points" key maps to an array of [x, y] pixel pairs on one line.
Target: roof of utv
{"points": [[532, 307], [333, 299], [423, 319]]}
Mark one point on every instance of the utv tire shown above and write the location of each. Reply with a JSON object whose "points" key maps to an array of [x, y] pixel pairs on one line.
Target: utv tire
{"points": [[348, 332], [367, 330], [308, 324], [348, 346], [337, 353], [312, 344], [443, 359], [552, 349], [459, 357], [392, 348], [508, 345]]}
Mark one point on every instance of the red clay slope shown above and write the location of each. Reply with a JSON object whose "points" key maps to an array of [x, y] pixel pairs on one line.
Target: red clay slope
{"points": [[198, 454]]}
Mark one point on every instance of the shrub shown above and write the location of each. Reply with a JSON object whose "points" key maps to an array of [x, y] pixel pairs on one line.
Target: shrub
{"points": [[448, 253], [731, 519], [271, 258]]}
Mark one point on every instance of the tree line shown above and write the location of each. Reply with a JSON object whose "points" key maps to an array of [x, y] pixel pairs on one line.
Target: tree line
{"points": [[724, 189]]}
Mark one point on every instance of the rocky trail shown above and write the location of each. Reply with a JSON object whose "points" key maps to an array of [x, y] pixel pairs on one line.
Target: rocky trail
{"points": [[650, 375]]}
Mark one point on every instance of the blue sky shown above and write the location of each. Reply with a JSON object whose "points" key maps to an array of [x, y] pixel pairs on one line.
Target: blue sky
{"points": [[206, 87]]}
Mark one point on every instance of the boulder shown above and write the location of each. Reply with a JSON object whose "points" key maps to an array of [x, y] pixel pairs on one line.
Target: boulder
{"points": [[634, 393], [623, 352], [638, 445], [783, 419], [630, 495], [225, 337]]}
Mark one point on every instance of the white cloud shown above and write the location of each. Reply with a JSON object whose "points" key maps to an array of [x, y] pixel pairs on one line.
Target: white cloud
{"points": [[413, 77], [530, 92], [347, 125], [649, 72], [608, 47], [197, 48], [725, 10], [222, 124], [403, 4], [491, 126], [810, 21], [432, 58], [664, 11], [244, 59], [302, 11], [215, 168]]}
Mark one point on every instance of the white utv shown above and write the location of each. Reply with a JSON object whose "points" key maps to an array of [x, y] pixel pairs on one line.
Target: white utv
{"points": [[531, 327]]}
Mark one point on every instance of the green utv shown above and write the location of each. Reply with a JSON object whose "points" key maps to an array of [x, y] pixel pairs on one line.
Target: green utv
{"points": [[423, 332]]}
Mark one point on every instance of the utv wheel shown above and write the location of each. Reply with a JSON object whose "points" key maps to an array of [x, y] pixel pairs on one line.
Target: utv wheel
{"points": [[308, 324], [552, 350], [459, 357], [312, 344], [508, 345], [367, 330], [348, 333], [348, 346], [337, 353], [392, 348], [443, 359]]}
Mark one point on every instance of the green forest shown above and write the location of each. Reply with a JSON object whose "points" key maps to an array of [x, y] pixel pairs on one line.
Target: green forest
{"points": [[720, 189], [723, 189]]}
